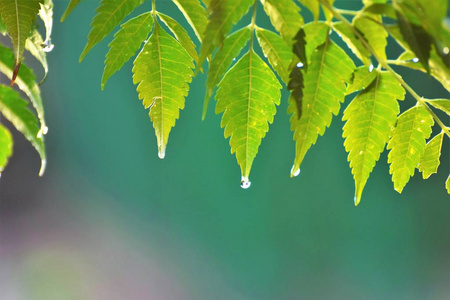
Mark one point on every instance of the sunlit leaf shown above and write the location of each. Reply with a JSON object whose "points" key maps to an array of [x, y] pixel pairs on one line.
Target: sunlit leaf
{"points": [[349, 37], [442, 104], [429, 163], [362, 78], [375, 35], [46, 14], [6, 147], [195, 14], [313, 6]]}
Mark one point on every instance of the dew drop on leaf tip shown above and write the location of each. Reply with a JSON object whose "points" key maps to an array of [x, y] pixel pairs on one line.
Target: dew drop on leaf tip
{"points": [[415, 60], [162, 153], [295, 173], [245, 183], [370, 68], [48, 46]]}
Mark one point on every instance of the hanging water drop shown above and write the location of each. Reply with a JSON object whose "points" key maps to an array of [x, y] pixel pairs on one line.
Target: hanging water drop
{"points": [[234, 58], [47, 46], [295, 173], [415, 60], [446, 50], [300, 65], [370, 68], [245, 183]]}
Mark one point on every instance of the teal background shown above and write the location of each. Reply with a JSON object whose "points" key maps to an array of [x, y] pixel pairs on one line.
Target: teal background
{"points": [[110, 220]]}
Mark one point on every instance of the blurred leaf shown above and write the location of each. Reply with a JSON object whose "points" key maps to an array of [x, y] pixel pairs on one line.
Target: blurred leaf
{"points": [[223, 14], [381, 9], [370, 117], [329, 70], [181, 35], [447, 184], [125, 44], [313, 6], [430, 160], [408, 143], [349, 37], [277, 52], [70, 7], [15, 110], [247, 96], [298, 65], [109, 14], [362, 78], [25, 81], [442, 104], [232, 47], [46, 14], [162, 71], [34, 46], [195, 14], [285, 17], [6, 147]]}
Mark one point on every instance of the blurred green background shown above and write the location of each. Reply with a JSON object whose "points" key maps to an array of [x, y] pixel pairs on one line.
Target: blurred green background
{"points": [[110, 220]]}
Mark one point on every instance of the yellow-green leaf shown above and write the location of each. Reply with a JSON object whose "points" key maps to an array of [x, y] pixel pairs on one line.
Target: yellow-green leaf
{"points": [[6, 146], [163, 71], [348, 36], [408, 143], [429, 163], [442, 104], [313, 6], [70, 7], [374, 33], [195, 14], [362, 78], [370, 117], [247, 96]]}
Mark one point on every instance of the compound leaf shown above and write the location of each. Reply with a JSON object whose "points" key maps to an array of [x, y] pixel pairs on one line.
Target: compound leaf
{"points": [[163, 71], [329, 70], [125, 44], [247, 96], [109, 14], [15, 110], [6, 146], [408, 144], [370, 117], [430, 160]]}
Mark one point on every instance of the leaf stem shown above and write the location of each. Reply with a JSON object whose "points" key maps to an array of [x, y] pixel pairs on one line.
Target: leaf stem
{"points": [[386, 66], [252, 24], [347, 12], [154, 9]]}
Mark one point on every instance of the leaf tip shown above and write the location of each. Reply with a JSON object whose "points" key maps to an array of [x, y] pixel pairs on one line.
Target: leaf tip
{"points": [[295, 171], [162, 152], [43, 167], [245, 182]]}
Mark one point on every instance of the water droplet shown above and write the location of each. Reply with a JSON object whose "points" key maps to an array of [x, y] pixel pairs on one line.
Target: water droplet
{"points": [[234, 58], [300, 65], [361, 152], [245, 183], [370, 68], [295, 173], [162, 153], [446, 50], [415, 60], [43, 131], [48, 46]]}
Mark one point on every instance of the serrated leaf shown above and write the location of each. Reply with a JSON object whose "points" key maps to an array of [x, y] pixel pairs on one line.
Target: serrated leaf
{"points": [[195, 14], [247, 96], [163, 71], [6, 146], [46, 15], [313, 6], [19, 16], [330, 68], [407, 144], [25, 81], [232, 47], [354, 44], [70, 7], [316, 34], [125, 44], [442, 104], [429, 163], [417, 38], [362, 78], [15, 110], [181, 35], [34, 46], [370, 117], [299, 64], [223, 14], [275, 49], [109, 14], [375, 35], [285, 17]]}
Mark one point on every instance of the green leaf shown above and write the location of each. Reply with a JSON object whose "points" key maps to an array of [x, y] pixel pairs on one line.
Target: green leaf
{"points": [[46, 15], [276, 50], [381, 9], [247, 96], [298, 64], [285, 17], [328, 14], [408, 144], [70, 7], [6, 147], [330, 68], [181, 35], [163, 70], [447, 184], [19, 16], [25, 81], [442, 104], [313, 6], [125, 44], [315, 35], [15, 110], [223, 14], [195, 14], [2, 27], [109, 14], [348, 36], [370, 117], [374, 33], [34, 46], [232, 47], [430, 160], [417, 38], [362, 78]]}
